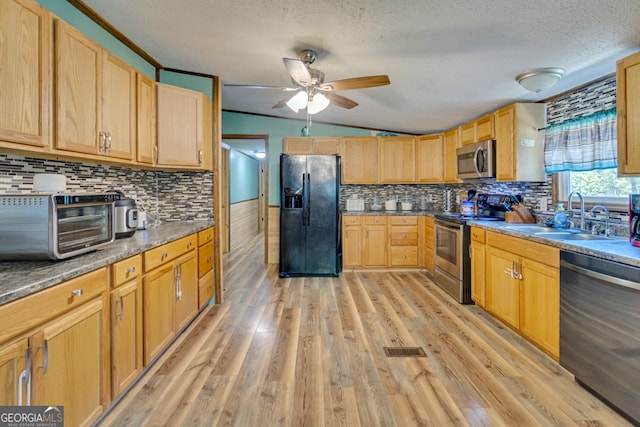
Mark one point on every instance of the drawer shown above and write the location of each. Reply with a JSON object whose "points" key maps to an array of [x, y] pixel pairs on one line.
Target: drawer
{"points": [[404, 256], [156, 257], [477, 235], [540, 252], [377, 219], [404, 220], [351, 220], [205, 258], [205, 289], [26, 313], [125, 270], [404, 235], [205, 236]]}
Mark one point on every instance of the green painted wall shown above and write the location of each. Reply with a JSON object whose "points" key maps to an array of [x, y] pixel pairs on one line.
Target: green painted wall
{"points": [[277, 129], [243, 177], [77, 19]]}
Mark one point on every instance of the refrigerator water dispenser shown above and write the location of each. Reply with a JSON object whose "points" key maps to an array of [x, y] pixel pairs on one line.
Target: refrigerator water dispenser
{"points": [[292, 198]]}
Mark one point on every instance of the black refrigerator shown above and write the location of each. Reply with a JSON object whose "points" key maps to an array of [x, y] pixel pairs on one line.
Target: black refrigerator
{"points": [[309, 216]]}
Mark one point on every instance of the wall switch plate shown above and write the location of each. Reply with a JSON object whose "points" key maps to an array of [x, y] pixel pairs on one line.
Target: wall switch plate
{"points": [[543, 204]]}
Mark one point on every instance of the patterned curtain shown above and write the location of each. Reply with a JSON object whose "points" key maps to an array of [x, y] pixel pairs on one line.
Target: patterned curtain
{"points": [[582, 144]]}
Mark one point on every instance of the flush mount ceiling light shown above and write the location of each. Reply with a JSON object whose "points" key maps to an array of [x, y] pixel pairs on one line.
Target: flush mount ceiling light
{"points": [[539, 79], [259, 154]]}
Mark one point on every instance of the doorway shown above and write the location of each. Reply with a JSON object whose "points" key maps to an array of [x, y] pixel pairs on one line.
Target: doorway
{"points": [[251, 146]]}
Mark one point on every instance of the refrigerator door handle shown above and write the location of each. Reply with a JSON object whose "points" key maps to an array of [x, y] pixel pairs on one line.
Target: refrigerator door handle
{"points": [[304, 201], [308, 201]]}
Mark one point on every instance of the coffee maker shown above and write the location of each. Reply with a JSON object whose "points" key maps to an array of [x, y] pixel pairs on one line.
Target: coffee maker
{"points": [[634, 219]]}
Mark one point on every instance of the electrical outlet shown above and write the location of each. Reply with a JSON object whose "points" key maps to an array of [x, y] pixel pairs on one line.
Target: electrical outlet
{"points": [[457, 198], [543, 204]]}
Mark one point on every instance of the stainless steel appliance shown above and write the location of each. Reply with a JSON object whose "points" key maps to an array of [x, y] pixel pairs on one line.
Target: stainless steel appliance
{"points": [[54, 226], [634, 219], [309, 217], [126, 217], [452, 259], [599, 324], [476, 161]]}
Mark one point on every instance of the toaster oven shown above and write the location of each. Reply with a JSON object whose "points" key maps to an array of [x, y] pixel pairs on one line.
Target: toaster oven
{"points": [[54, 226]]}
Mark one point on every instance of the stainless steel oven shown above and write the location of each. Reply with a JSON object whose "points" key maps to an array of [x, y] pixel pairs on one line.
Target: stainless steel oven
{"points": [[452, 260]]}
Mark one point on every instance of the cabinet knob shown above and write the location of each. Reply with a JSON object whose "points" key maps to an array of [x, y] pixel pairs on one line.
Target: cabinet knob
{"points": [[76, 292], [131, 270]]}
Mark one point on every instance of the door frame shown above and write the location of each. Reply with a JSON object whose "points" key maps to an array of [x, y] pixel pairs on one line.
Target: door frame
{"points": [[263, 195]]}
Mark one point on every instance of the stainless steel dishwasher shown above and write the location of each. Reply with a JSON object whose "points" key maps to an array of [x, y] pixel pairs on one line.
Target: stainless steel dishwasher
{"points": [[600, 328]]}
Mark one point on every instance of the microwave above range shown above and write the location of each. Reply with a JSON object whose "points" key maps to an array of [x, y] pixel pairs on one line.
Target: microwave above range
{"points": [[476, 161], [55, 226]]}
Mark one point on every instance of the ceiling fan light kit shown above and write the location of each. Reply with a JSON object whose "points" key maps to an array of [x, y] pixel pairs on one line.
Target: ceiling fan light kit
{"points": [[539, 79], [312, 92]]}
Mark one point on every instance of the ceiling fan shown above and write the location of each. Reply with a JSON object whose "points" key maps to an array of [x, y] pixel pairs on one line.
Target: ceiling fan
{"points": [[311, 91]]}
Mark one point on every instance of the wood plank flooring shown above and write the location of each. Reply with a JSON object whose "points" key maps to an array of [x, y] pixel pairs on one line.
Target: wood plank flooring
{"points": [[309, 352]]}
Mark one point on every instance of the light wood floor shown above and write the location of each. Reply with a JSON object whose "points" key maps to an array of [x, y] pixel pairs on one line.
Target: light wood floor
{"points": [[309, 352]]}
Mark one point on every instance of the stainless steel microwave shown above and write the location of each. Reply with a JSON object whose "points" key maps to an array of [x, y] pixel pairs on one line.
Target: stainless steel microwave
{"points": [[476, 161], [54, 226]]}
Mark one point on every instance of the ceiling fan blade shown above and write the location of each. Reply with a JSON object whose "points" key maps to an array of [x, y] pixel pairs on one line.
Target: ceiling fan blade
{"points": [[357, 83], [283, 102], [298, 71], [340, 100], [282, 88]]}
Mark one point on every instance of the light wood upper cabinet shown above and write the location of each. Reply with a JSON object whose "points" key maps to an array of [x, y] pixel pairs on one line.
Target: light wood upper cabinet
{"points": [[306, 145], [451, 143], [628, 115], [95, 97], [397, 159], [78, 87], [180, 127], [430, 158], [25, 74], [359, 163], [146, 119], [519, 142], [478, 130]]}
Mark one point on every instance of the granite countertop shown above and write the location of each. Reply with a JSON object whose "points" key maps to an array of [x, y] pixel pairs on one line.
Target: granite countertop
{"points": [[389, 213], [616, 249], [21, 278]]}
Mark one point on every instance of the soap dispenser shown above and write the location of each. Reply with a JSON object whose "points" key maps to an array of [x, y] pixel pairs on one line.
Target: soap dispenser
{"points": [[560, 218]]}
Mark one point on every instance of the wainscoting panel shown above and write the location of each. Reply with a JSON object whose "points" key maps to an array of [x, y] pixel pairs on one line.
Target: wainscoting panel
{"points": [[244, 221], [273, 235]]}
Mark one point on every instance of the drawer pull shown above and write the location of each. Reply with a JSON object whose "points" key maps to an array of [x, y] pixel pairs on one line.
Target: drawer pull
{"points": [[208, 259], [164, 256], [131, 270], [76, 292]]}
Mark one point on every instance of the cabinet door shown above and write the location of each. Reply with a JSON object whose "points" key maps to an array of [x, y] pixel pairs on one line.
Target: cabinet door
{"points": [[159, 304], [505, 150], [352, 246], [186, 293], [430, 158], [326, 146], [25, 77], [468, 133], [485, 128], [78, 86], [118, 107], [628, 114], [375, 246], [146, 119], [540, 305], [13, 365], [359, 160], [126, 335], [180, 130], [300, 145], [205, 289], [478, 252], [68, 360], [429, 244], [502, 289], [450, 159], [397, 159]]}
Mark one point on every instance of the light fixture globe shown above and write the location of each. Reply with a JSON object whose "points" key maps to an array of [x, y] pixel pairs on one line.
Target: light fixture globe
{"points": [[539, 79]]}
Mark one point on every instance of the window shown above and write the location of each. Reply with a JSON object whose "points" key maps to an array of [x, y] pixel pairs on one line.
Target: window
{"points": [[597, 187]]}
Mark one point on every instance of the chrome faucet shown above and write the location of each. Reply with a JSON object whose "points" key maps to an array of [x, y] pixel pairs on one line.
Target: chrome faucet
{"points": [[606, 219], [570, 208]]}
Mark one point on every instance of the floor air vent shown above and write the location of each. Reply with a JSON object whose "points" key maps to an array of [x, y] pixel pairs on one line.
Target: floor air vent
{"points": [[404, 352]]}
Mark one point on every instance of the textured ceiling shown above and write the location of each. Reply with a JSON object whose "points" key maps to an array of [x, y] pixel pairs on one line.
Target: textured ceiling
{"points": [[449, 61]]}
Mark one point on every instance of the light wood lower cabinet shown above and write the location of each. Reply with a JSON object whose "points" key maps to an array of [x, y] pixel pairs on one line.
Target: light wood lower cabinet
{"points": [[205, 266], [523, 288], [352, 241], [58, 339], [403, 239], [186, 301], [126, 323], [375, 242], [478, 263], [428, 243]]}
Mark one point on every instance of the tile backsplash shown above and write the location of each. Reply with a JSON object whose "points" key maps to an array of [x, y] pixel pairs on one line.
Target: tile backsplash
{"points": [[165, 195]]}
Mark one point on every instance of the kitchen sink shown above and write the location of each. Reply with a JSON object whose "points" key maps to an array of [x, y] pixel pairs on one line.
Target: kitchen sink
{"points": [[571, 236], [530, 228]]}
